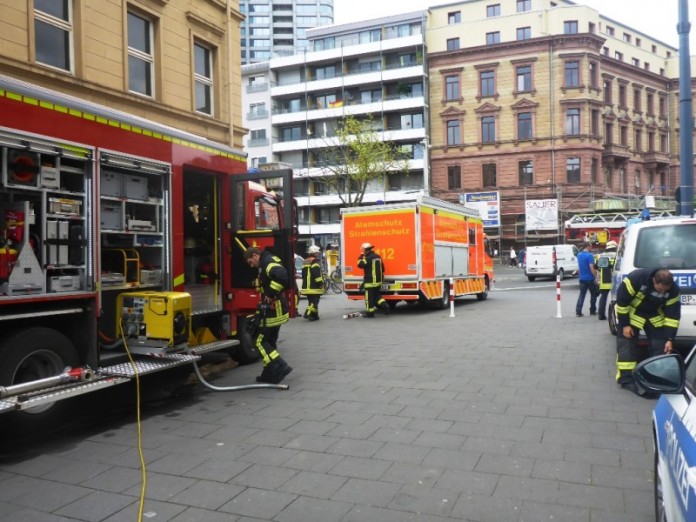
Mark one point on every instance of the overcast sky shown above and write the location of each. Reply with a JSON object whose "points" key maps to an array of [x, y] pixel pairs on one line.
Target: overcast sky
{"points": [[652, 17]]}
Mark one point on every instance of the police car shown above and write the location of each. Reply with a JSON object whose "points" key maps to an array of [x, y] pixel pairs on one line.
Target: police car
{"points": [[674, 431], [661, 243]]}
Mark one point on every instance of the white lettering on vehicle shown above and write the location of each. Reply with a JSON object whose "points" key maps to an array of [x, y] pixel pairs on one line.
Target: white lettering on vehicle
{"points": [[685, 280], [676, 460]]}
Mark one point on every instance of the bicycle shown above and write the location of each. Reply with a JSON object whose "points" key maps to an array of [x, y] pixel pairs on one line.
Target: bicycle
{"points": [[331, 283]]}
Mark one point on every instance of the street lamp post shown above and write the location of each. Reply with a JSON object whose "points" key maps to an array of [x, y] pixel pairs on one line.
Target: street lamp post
{"points": [[426, 166]]}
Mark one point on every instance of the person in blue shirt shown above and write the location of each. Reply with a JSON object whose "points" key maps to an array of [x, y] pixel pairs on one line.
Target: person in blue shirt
{"points": [[587, 275]]}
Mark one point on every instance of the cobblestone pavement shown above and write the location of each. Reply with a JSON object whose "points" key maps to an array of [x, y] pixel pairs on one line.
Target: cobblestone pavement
{"points": [[504, 413]]}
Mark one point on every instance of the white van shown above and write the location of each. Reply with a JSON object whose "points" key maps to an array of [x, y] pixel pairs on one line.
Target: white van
{"points": [[661, 243], [551, 261]]}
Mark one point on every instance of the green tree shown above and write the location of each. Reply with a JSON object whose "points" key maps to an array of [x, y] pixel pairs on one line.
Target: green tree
{"points": [[359, 156]]}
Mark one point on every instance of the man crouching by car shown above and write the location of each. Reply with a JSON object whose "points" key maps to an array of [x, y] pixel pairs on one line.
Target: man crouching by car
{"points": [[646, 300]]}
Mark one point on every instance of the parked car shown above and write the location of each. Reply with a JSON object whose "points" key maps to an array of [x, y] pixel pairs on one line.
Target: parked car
{"points": [[674, 433], [661, 243]]}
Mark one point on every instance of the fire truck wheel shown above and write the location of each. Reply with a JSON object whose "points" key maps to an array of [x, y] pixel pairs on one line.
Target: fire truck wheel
{"points": [[612, 318], [245, 352], [443, 302], [35, 354], [484, 295]]}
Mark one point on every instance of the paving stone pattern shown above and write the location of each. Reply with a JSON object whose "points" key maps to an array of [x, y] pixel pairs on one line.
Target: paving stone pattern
{"points": [[504, 413]]}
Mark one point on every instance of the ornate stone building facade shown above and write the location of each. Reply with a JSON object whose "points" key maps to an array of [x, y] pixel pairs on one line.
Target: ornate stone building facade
{"points": [[537, 100], [177, 63]]}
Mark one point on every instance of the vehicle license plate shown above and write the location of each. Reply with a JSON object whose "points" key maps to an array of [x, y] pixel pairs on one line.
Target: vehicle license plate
{"points": [[688, 299]]}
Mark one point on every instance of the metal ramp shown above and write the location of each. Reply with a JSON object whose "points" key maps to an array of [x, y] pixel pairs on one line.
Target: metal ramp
{"points": [[111, 375]]}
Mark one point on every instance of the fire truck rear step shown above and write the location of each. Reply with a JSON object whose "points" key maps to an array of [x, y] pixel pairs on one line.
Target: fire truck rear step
{"points": [[112, 375]]}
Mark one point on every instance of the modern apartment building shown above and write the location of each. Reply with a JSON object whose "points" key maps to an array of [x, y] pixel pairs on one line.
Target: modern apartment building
{"points": [[279, 27], [547, 99], [174, 64], [375, 68]]}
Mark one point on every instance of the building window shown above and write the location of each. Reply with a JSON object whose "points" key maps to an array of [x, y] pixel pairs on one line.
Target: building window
{"points": [[573, 170], [412, 121], [493, 38], [591, 28], [594, 83], [453, 132], [487, 83], [607, 92], [638, 141], [622, 97], [53, 33], [452, 44], [492, 10], [524, 126], [203, 78], [454, 17], [594, 170], [663, 143], [635, 62], [623, 135], [570, 27], [525, 173], [572, 74], [662, 107], [488, 129], [594, 116], [637, 106], [627, 38], [291, 134], [140, 55], [572, 122], [608, 134], [650, 104], [454, 177], [618, 56], [489, 175], [324, 73], [524, 6], [610, 30], [524, 33], [524, 78], [452, 91]]}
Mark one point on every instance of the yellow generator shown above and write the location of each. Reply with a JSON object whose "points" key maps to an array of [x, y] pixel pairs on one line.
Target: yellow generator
{"points": [[154, 319]]}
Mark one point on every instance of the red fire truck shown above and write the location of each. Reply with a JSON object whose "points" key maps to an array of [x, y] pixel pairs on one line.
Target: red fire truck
{"points": [[119, 235]]}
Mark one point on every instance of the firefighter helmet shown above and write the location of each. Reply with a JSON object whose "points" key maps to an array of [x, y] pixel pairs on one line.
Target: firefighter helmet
{"points": [[314, 249], [610, 244], [366, 246]]}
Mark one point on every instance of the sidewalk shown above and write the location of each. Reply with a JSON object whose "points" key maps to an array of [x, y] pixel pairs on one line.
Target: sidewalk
{"points": [[503, 413]]}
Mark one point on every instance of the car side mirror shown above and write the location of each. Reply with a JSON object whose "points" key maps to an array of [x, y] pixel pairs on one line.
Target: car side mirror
{"points": [[661, 374]]}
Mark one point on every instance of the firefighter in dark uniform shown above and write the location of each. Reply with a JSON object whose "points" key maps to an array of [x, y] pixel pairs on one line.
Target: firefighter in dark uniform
{"points": [[646, 300], [605, 267], [312, 283], [273, 312], [373, 269]]}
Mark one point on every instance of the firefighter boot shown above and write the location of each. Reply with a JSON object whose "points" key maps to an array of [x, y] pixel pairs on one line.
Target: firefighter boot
{"points": [[274, 372], [384, 307]]}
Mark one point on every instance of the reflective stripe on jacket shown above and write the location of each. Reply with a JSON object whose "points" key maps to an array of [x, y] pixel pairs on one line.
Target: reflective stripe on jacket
{"points": [[312, 279], [637, 302], [373, 269], [273, 279]]}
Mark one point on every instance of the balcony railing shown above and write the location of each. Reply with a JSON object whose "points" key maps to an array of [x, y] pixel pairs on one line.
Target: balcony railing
{"points": [[257, 115], [354, 71], [258, 142], [257, 87]]}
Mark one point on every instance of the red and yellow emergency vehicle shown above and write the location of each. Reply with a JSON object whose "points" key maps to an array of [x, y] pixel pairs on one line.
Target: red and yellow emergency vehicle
{"points": [[120, 233], [423, 244]]}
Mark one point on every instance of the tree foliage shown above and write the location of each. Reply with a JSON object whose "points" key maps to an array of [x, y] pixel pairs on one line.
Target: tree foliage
{"points": [[358, 156]]}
